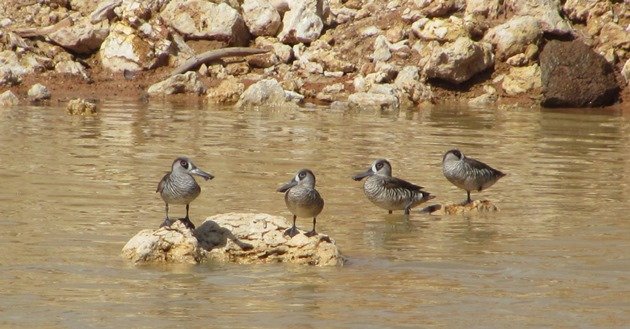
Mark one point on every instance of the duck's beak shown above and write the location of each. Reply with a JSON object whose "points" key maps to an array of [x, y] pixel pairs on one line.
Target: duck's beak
{"points": [[287, 186], [362, 175], [201, 173]]}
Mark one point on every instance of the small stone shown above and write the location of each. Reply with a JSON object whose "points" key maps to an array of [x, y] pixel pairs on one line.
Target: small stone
{"points": [[8, 98], [79, 106], [38, 92], [477, 206]]}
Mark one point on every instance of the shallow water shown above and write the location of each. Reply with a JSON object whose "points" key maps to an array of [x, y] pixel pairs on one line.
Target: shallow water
{"points": [[75, 189]]}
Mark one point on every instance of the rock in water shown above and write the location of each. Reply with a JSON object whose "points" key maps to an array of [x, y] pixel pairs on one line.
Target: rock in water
{"points": [[573, 75], [243, 238], [477, 206], [174, 244]]}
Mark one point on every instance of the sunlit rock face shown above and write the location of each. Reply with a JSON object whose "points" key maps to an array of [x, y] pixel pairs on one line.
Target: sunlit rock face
{"points": [[245, 238]]}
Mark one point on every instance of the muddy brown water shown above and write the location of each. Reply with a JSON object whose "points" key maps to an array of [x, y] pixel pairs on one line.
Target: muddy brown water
{"points": [[75, 189]]}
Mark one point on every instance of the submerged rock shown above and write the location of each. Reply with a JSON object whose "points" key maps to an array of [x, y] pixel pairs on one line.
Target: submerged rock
{"points": [[477, 206], [244, 238], [573, 75], [79, 106]]}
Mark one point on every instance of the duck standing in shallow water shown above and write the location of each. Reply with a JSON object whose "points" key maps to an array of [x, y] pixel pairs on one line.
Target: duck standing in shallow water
{"points": [[180, 187], [389, 192], [467, 173], [302, 199]]}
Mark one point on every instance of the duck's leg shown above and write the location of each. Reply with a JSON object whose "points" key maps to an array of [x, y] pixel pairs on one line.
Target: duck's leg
{"points": [[186, 220], [468, 199], [167, 221], [293, 231], [389, 212], [312, 232]]}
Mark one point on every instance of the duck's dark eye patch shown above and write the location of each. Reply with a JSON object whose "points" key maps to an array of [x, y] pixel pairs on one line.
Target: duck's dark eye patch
{"points": [[302, 175], [379, 165], [184, 163]]}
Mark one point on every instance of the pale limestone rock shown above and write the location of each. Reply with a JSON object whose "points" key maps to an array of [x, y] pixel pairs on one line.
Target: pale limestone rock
{"points": [[459, 61], [38, 92], [104, 10], [243, 238], [258, 238], [8, 98], [381, 49], [477, 206], [614, 41], [14, 66], [125, 49], [331, 92], [136, 12], [514, 36], [186, 83], [8, 77], [303, 23], [79, 106], [82, 38], [227, 92], [625, 71], [200, 19], [174, 244], [439, 29], [267, 92], [437, 8], [486, 8], [73, 68], [370, 31], [521, 80], [408, 79], [320, 57], [261, 17], [489, 97], [582, 11], [373, 101], [546, 11]]}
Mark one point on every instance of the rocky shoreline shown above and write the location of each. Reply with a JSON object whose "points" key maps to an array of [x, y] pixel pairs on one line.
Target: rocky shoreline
{"points": [[385, 55]]}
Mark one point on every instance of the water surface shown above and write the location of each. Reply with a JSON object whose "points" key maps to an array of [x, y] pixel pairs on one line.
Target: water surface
{"points": [[75, 189]]}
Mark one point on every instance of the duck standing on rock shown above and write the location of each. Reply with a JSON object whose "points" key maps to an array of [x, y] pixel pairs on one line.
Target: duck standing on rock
{"points": [[467, 173], [180, 187], [302, 199], [389, 192]]}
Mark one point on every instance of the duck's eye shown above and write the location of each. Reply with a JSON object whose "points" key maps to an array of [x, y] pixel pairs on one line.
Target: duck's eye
{"points": [[184, 163], [302, 175], [379, 165]]}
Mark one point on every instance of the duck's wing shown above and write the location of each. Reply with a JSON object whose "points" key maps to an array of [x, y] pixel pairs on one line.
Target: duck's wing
{"points": [[393, 182], [160, 186]]}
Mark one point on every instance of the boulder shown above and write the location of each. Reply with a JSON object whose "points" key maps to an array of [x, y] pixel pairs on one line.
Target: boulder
{"points": [[437, 8], [79, 106], [259, 238], [477, 206], [81, 38], [373, 101], [187, 83], [243, 238], [267, 92], [485, 8], [72, 68], [459, 61], [573, 75], [261, 17], [439, 29], [174, 244], [227, 92], [38, 92], [381, 49], [521, 80], [514, 36], [124, 49], [546, 11], [303, 23], [201, 19], [8, 98]]}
